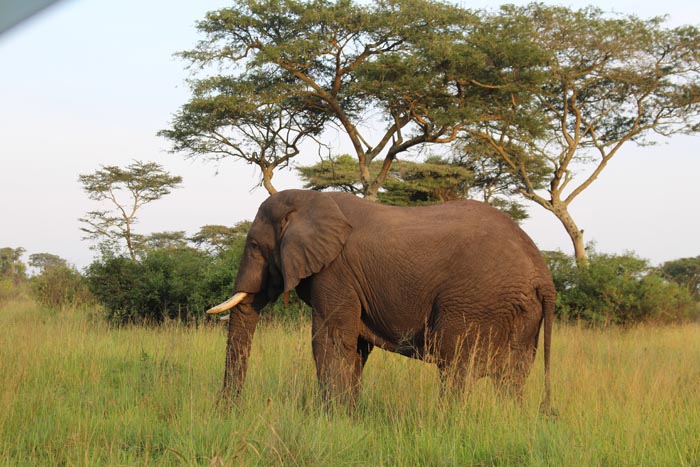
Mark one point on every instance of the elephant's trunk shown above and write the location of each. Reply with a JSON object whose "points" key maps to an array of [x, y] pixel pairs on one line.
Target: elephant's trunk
{"points": [[241, 328]]}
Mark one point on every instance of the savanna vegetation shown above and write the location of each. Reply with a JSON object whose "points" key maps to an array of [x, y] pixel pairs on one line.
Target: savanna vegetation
{"points": [[118, 365], [76, 391], [178, 281]]}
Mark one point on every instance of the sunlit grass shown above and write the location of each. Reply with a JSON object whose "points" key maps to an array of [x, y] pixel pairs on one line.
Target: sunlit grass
{"points": [[74, 391]]}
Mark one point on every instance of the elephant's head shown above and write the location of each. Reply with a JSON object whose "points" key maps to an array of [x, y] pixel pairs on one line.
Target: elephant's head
{"points": [[295, 234]]}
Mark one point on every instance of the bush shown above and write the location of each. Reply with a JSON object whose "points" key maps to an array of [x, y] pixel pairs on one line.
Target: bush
{"points": [[166, 284], [173, 284], [59, 287], [9, 289], [116, 284], [616, 289]]}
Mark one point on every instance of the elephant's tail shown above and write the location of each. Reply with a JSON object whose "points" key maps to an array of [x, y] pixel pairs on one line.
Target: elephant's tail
{"points": [[548, 318]]}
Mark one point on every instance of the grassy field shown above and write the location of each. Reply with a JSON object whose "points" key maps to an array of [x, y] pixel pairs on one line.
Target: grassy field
{"points": [[75, 392]]}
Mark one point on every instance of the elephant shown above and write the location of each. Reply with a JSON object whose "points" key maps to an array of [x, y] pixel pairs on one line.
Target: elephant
{"points": [[458, 284]]}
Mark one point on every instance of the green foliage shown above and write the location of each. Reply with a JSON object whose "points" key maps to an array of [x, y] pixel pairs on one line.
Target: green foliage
{"points": [[60, 286], [165, 285], [46, 261], [12, 273], [176, 283], [11, 265], [116, 283], [616, 289], [9, 290], [685, 272], [161, 241], [435, 180], [217, 238], [408, 183]]}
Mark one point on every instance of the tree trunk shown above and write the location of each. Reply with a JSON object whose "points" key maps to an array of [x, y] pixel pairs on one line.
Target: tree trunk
{"points": [[129, 243], [371, 194], [267, 180], [241, 327], [367, 187], [561, 211]]}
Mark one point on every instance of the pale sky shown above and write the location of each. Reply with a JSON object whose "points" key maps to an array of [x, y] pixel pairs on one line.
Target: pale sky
{"points": [[90, 82]]}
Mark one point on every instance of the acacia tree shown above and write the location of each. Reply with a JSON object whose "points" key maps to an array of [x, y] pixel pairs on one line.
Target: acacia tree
{"points": [[608, 81], [389, 76], [126, 190], [239, 118]]}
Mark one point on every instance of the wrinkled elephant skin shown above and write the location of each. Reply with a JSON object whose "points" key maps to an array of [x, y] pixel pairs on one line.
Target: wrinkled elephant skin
{"points": [[458, 284]]}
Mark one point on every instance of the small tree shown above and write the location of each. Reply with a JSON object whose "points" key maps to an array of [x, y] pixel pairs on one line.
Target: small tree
{"points": [[11, 265], [216, 238], [171, 240], [685, 272], [126, 190], [45, 261], [61, 286]]}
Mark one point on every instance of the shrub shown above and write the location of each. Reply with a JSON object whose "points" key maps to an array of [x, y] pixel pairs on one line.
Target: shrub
{"points": [[116, 283], [166, 284], [59, 287], [9, 290], [172, 284], [616, 289]]}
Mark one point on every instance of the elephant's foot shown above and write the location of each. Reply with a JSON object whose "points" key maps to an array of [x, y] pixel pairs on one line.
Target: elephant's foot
{"points": [[547, 411], [225, 402]]}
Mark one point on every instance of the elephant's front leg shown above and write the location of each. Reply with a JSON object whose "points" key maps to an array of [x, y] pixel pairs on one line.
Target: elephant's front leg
{"points": [[336, 354]]}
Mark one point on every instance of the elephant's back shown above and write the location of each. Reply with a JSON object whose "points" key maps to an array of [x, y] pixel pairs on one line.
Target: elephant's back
{"points": [[464, 234], [470, 215]]}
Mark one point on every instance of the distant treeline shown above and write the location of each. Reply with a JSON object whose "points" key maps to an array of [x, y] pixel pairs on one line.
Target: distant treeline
{"points": [[179, 280]]}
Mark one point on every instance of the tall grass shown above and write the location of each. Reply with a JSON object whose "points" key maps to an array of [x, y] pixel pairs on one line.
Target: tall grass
{"points": [[74, 391]]}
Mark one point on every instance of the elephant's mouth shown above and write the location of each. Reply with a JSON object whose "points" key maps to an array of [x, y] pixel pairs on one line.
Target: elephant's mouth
{"points": [[228, 304]]}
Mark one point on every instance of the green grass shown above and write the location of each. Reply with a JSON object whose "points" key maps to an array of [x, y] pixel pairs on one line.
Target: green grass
{"points": [[74, 391]]}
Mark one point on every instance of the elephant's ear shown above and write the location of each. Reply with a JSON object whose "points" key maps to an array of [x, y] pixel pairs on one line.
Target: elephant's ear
{"points": [[313, 234]]}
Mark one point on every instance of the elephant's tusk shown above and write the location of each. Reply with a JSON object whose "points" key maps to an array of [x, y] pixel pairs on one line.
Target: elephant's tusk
{"points": [[225, 318], [228, 304]]}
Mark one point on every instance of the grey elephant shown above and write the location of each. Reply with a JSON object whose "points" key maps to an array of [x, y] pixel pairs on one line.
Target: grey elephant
{"points": [[458, 284]]}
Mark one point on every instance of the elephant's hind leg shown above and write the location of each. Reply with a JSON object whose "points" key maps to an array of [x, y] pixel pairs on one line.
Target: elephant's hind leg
{"points": [[460, 364], [511, 377], [456, 380]]}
